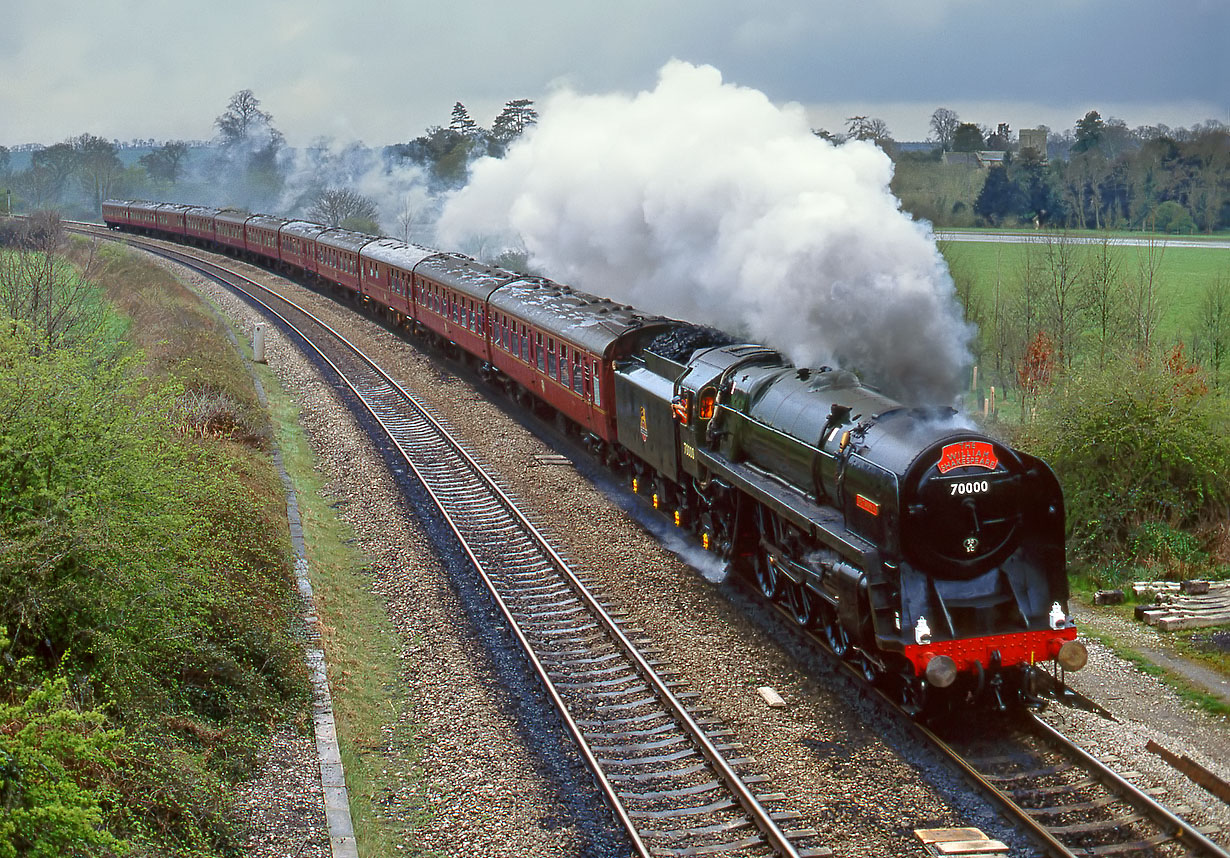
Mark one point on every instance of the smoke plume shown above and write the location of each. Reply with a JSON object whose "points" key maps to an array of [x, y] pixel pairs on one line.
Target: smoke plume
{"points": [[400, 190], [705, 201]]}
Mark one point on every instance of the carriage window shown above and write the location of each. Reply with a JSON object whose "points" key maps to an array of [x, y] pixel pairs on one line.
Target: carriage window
{"points": [[525, 344], [563, 365], [597, 385], [551, 367], [578, 380], [539, 352]]}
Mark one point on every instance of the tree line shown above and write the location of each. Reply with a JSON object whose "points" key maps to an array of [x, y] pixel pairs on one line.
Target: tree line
{"points": [[1099, 175], [248, 163]]}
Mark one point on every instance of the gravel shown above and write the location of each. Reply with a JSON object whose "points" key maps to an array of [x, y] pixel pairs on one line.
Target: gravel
{"points": [[854, 774]]}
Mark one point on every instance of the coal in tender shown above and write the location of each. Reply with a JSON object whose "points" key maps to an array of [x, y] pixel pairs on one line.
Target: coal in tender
{"points": [[679, 343]]}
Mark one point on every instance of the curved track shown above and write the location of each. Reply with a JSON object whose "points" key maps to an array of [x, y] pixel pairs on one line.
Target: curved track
{"points": [[661, 764]]}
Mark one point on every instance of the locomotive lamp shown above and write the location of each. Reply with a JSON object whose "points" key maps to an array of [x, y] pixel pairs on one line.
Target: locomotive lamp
{"points": [[1058, 618]]}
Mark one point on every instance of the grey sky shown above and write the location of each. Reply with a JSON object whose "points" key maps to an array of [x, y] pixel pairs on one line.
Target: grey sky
{"points": [[382, 72]]}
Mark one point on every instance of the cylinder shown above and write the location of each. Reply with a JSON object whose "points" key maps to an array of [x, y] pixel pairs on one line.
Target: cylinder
{"points": [[258, 343]]}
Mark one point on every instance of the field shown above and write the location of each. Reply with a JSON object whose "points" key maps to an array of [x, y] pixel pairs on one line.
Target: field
{"points": [[1184, 274]]}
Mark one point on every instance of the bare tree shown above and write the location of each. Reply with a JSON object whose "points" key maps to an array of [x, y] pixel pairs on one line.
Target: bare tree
{"points": [[869, 128], [41, 288], [1063, 305], [243, 118], [334, 205], [1146, 303], [1105, 296], [414, 216], [944, 124], [1211, 339], [1021, 313]]}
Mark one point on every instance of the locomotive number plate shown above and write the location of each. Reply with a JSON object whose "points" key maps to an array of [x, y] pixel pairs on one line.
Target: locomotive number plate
{"points": [[970, 487]]}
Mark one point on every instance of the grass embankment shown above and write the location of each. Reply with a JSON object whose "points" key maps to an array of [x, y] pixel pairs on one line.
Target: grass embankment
{"points": [[147, 605], [378, 739], [146, 601]]}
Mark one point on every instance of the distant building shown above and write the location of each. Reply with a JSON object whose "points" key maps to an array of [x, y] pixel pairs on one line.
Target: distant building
{"points": [[985, 158], [1034, 138], [968, 159]]}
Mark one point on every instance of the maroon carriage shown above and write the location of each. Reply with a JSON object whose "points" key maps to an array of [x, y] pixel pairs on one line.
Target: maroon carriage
{"points": [[387, 269]]}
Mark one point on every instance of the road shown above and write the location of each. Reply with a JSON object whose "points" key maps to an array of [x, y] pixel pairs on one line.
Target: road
{"points": [[1019, 237]]}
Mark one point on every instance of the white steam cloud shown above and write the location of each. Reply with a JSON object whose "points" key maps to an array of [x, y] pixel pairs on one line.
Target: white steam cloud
{"points": [[406, 207], [705, 201]]}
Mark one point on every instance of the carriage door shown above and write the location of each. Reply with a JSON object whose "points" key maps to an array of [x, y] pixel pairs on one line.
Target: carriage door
{"points": [[589, 388]]}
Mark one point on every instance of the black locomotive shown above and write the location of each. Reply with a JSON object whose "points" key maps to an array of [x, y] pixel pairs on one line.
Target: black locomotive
{"points": [[929, 552]]}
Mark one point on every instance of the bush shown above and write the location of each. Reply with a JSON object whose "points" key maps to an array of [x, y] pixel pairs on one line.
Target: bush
{"points": [[1143, 453], [144, 552], [1171, 217], [55, 763]]}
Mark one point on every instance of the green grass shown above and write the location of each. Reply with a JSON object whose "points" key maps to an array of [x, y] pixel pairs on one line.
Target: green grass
{"points": [[1194, 644], [1089, 233], [380, 744], [1183, 276]]}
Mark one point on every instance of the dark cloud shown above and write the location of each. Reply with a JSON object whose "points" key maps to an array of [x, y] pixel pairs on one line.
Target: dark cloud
{"points": [[383, 71]]}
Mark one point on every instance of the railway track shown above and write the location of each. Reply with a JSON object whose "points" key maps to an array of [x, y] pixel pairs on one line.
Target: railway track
{"points": [[672, 777], [1068, 801], [1072, 802]]}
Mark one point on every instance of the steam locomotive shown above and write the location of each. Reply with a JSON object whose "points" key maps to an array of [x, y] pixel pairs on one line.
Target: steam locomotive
{"points": [[926, 552]]}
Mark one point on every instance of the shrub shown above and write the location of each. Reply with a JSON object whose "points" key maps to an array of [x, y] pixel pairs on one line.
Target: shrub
{"points": [[1171, 217], [1143, 453], [144, 551], [55, 766]]}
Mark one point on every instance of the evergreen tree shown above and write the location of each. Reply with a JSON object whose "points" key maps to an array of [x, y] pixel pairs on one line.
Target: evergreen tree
{"points": [[968, 138], [517, 116], [1000, 196], [461, 121], [1089, 130]]}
